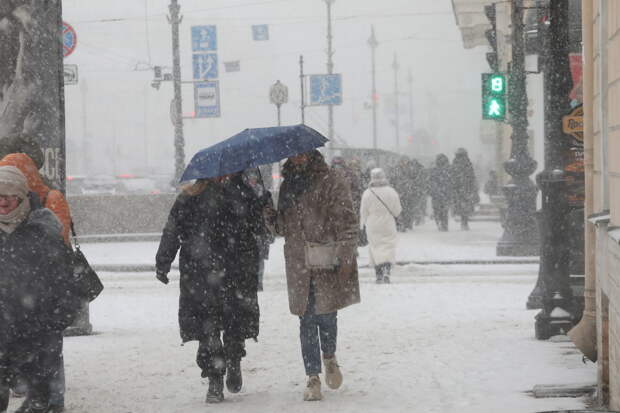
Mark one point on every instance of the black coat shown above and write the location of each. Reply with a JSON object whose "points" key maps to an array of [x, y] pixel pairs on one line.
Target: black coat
{"points": [[440, 185], [465, 185], [216, 232], [38, 293]]}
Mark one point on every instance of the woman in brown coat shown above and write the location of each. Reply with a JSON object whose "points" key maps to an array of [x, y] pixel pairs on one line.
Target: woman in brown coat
{"points": [[315, 206]]}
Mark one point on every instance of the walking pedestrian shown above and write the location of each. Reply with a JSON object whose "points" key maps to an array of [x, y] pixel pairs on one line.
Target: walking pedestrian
{"points": [[214, 223], [380, 209], [264, 237], [55, 201], [465, 185], [404, 183], [316, 217], [420, 192], [39, 296], [441, 191]]}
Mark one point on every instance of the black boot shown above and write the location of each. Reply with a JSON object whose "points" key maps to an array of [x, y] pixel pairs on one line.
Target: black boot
{"points": [[234, 381], [215, 394]]}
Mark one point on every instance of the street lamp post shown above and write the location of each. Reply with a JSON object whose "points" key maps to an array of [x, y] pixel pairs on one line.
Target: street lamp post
{"points": [[373, 43], [396, 67], [179, 141], [552, 289], [330, 69], [520, 237]]}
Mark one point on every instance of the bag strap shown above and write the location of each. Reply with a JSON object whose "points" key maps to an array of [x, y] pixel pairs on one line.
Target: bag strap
{"points": [[384, 204], [75, 239]]}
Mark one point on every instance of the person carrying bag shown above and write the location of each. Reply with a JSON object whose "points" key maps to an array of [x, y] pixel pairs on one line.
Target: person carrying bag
{"points": [[379, 210]]}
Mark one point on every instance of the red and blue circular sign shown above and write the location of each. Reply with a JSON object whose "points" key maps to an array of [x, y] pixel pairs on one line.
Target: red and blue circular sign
{"points": [[69, 39]]}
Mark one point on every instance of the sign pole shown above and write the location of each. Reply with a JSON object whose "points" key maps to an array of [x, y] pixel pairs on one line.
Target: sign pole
{"points": [[179, 141], [303, 98]]}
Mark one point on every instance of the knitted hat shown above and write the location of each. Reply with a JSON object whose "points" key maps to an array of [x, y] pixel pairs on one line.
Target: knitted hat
{"points": [[13, 182]]}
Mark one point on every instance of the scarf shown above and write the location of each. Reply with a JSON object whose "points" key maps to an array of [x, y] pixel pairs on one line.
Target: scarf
{"points": [[10, 221]]}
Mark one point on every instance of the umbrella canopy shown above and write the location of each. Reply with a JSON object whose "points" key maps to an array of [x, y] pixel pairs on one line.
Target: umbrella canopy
{"points": [[252, 148]]}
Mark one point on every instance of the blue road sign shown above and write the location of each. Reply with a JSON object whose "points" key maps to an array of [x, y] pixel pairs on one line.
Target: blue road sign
{"points": [[260, 32], [325, 90], [207, 99], [204, 38], [205, 66]]}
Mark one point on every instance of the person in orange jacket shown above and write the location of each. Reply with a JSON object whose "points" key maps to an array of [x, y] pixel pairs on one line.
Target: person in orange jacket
{"points": [[51, 199]]}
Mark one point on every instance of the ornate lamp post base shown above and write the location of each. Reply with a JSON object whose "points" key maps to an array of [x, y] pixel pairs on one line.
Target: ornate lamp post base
{"points": [[521, 236]]}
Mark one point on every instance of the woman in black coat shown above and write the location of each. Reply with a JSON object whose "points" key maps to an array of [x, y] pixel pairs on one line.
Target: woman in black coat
{"points": [[38, 293], [441, 191], [465, 185], [215, 223]]}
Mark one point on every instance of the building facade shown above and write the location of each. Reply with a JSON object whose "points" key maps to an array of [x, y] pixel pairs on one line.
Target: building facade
{"points": [[601, 88]]}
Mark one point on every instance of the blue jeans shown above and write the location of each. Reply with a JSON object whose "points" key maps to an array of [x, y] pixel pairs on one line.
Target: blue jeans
{"points": [[317, 332]]}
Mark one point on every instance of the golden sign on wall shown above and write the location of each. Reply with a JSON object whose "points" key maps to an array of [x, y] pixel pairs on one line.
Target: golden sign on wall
{"points": [[572, 124]]}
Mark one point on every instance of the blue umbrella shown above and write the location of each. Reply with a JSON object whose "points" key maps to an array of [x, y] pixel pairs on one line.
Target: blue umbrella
{"points": [[252, 148]]}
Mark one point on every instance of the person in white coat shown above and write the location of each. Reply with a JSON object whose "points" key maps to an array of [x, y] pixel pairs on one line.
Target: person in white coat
{"points": [[379, 209]]}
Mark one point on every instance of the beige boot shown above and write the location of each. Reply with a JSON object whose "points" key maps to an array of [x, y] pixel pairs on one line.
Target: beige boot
{"points": [[313, 389], [333, 376]]}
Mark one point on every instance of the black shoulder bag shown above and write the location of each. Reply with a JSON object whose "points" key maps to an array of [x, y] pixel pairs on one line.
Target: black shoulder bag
{"points": [[89, 284]]}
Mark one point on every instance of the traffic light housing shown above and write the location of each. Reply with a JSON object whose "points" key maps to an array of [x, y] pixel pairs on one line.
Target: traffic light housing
{"points": [[491, 35], [494, 96]]}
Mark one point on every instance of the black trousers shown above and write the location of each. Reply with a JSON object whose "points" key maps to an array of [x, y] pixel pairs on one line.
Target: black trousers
{"points": [[216, 350], [36, 360]]}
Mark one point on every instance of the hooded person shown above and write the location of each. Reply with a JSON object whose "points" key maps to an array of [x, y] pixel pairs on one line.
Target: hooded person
{"points": [[315, 209], [380, 209], [465, 187], [440, 190], [38, 295], [51, 199]]}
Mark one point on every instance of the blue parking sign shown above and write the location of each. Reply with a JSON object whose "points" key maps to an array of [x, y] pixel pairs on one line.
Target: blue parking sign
{"points": [[205, 66], [325, 90], [207, 99], [204, 38]]}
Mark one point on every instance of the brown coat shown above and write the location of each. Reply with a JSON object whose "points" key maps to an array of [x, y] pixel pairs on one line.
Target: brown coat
{"points": [[323, 212]]}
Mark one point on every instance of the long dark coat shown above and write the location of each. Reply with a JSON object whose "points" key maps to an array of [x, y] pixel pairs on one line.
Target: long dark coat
{"points": [[320, 211], [38, 293], [440, 185], [216, 232], [465, 185]]}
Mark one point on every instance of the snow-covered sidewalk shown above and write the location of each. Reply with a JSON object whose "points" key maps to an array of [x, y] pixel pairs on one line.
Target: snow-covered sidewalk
{"points": [[439, 339]]}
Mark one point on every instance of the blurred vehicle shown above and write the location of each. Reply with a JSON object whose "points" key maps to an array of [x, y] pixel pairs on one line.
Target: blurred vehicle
{"points": [[134, 185], [99, 185], [75, 184], [165, 183]]}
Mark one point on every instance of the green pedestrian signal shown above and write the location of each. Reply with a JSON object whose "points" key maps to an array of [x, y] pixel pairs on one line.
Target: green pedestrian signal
{"points": [[493, 96]]}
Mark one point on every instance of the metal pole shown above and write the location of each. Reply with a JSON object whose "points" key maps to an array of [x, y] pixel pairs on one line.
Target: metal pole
{"points": [[554, 278], [279, 115], [372, 42], [396, 66], [179, 141], [303, 97], [330, 70], [520, 237], [411, 126]]}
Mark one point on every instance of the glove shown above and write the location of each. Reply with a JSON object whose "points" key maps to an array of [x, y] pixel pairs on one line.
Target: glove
{"points": [[346, 268], [162, 277]]}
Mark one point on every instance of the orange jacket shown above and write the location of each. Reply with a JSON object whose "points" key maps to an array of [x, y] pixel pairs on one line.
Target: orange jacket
{"points": [[54, 200]]}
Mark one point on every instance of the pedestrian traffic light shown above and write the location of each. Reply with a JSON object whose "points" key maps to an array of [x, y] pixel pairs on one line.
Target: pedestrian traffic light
{"points": [[491, 35], [493, 96]]}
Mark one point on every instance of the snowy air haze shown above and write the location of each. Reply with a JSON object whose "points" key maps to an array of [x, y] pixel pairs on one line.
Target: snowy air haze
{"points": [[120, 124]]}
